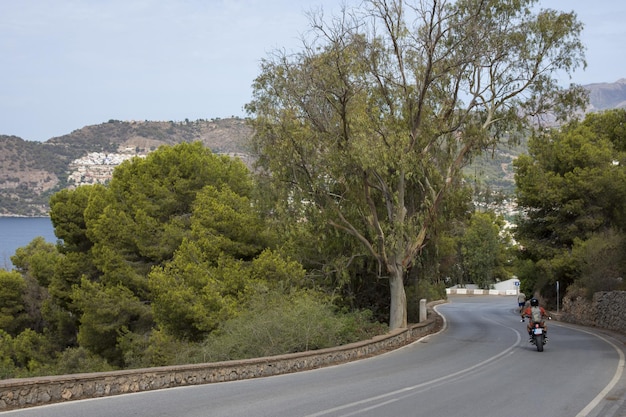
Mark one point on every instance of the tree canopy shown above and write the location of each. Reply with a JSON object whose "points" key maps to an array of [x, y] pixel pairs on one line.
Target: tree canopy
{"points": [[158, 215], [173, 251], [572, 193], [371, 122], [484, 250]]}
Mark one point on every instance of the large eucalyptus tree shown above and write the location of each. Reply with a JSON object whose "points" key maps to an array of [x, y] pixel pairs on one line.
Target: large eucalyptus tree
{"points": [[370, 123]]}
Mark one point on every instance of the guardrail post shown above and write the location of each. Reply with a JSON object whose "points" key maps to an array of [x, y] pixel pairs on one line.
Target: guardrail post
{"points": [[422, 310]]}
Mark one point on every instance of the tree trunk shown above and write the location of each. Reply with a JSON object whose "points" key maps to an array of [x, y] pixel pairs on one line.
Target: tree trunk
{"points": [[397, 310]]}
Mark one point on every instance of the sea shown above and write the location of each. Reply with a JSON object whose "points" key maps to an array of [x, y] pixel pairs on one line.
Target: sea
{"points": [[16, 232]]}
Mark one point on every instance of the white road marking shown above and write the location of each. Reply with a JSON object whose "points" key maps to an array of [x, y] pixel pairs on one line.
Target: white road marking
{"points": [[407, 391], [618, 375]]}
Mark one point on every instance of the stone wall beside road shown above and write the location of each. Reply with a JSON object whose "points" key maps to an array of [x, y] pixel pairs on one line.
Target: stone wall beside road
{"points": [[606, 310], [29, 392]]}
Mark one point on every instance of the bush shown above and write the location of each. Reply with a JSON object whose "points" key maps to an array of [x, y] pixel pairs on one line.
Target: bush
{"points": [[76, 360], [278, 324], [7, 366], [159, 348]]}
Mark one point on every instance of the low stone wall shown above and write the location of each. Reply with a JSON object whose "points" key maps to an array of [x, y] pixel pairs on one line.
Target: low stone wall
{"points": [[28, 392], [606, 310]]}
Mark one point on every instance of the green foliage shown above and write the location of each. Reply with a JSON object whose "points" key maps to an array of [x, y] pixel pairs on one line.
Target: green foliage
{"points": [[67, 213], [37, 263], [528, 273], [482, 250], [75, 360], [180, 200], [30, 352], [571, 190], [107, 313], [369, 129], [609, 124], [426, 290], [144, 215], [173, 249], [445, 252], [333, 261], [160, 348], [38, 259], [225, 223], [7, 365], [191, 299], [271, 267], [61, 325], [13, 316], [601, 261], [278, 323], [68, 272]]}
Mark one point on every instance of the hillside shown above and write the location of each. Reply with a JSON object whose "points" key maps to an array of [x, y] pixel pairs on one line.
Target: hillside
{"points": [[603, 96], [30, 172]]}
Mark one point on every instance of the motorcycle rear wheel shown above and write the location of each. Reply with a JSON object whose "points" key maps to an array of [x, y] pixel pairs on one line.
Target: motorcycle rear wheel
{"points": [[539, 342]]}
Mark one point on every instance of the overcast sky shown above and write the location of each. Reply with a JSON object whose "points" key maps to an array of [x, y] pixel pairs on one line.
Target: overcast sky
{"points": [[66, 64]]}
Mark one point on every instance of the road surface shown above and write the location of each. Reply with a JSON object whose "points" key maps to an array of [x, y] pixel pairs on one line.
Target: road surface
{"points": [[479, 365]]}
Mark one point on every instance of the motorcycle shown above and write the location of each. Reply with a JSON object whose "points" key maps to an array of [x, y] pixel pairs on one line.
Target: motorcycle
{"points": [[538, 335]]}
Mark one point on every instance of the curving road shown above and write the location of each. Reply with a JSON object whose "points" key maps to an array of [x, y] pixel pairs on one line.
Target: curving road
{"points": [[480, 364]]}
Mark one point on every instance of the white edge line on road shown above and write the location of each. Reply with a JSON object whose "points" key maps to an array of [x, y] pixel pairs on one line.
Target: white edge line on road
{"points": [[423, 384], [618, 375]]}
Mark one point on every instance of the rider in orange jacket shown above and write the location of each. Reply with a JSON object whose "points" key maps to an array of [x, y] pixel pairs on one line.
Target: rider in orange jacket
{"points": [[535, 313]]}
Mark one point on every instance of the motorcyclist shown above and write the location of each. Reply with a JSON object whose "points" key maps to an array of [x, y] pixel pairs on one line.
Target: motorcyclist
{"points": [[535, 312]]}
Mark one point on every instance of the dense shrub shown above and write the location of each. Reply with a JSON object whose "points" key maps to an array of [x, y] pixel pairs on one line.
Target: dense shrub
{"points": [[277, 324]]}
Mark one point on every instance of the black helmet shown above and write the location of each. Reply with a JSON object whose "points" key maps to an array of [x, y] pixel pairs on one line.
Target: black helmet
{"points": [[534, 302]]}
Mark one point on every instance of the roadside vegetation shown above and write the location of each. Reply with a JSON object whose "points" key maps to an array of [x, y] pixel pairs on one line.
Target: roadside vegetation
{"points": [[571, 189], [348, 220]]}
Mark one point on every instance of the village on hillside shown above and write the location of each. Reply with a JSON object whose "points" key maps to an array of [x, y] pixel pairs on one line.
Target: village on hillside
{"points": [[97, 167]]}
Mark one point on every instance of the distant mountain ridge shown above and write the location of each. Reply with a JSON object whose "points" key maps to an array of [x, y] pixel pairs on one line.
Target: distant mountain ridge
{"points": [[30, 172], [604, 96], [494, 172]]}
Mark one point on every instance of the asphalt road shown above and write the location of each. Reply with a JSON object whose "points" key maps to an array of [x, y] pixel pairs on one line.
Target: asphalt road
{"points": [[480, 364]]}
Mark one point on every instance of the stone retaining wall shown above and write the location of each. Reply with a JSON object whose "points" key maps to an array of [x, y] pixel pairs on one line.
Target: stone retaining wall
{"points": [[28, 392], [606, 310]]}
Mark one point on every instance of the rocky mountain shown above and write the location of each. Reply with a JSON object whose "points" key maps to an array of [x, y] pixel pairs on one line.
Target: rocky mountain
{"points": [[30, 172], [603, 96]]}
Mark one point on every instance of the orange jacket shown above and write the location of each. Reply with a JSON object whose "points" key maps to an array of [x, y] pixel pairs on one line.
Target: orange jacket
{"points": [[528, 312]]}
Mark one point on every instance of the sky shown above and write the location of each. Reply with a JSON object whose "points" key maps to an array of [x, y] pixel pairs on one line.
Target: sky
{"points": [[66, 64]]}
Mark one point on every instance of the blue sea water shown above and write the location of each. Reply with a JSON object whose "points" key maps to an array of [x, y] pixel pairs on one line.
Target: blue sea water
{"points": [[16, 232]]}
